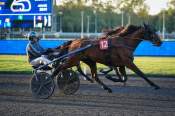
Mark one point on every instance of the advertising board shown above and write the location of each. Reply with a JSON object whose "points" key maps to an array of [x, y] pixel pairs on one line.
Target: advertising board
{"points": [[25, 13]]}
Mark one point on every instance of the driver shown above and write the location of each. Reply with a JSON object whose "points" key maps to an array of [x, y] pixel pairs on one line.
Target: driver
{"points": [[37, 55]]}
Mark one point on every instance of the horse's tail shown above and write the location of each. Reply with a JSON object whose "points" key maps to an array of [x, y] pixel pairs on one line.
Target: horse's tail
{"points": [[79, 69]]}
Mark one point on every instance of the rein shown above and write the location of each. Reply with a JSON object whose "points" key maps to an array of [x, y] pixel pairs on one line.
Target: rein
{"points": [[127, 37], [121, 45], [67, 46]]}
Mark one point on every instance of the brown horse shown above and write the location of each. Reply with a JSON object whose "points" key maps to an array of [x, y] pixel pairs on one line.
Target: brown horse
{"points": [[120, 53], [120, 70], [121, 73]]}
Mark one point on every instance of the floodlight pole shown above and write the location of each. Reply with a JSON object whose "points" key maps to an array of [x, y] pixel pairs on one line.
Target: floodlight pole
{"points": [[122, 21], [82, 23], [129, 19], [53, 27], [95, 13], [60, 14], [163, 28], [88, 26]]}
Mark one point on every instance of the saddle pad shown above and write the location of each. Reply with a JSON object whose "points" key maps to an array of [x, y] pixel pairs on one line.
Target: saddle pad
{"points": [[103, 44]]}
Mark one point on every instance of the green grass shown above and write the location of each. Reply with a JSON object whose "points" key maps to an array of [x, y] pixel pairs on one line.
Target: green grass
{"points": [[160, 66], [14, 64], [164, 66]]}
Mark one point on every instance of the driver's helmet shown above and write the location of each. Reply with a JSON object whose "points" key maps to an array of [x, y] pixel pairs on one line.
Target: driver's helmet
{"points": [[32, 35]]}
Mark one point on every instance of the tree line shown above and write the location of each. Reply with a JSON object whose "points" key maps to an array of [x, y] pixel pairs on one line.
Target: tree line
{"points": [[99, 15]]}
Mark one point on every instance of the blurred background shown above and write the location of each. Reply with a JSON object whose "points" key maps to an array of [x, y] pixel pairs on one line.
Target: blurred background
{"points": [[55, 19]]}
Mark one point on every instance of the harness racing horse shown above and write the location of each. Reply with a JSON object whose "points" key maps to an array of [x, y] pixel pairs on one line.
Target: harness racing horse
{"points": [[120, 70], [120, 73], [120, 53]]}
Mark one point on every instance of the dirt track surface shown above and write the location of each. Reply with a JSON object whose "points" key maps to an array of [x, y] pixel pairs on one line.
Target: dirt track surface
{"points": [[134, 99]]}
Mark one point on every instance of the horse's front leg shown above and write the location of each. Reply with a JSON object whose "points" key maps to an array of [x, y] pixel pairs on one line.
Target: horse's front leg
{"points": [[93, 68], [134, 68], [79, 69]]}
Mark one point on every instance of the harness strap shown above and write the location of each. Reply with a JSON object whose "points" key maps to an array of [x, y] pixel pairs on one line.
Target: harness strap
{"points": [[121, 45], [108, 56]]}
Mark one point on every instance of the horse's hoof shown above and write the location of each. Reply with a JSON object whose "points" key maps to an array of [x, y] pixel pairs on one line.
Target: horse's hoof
{"points": [[124, 84], [109, 91], [108, 76], [91, 81], [156, 87]]}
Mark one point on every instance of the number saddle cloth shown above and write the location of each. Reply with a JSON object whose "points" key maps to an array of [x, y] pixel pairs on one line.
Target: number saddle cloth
{"points": [[104, 44]]}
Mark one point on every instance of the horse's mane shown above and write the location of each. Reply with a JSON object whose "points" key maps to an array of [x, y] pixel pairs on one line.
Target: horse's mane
{"points": [[129, 30], [114, 31], [123, 31]]}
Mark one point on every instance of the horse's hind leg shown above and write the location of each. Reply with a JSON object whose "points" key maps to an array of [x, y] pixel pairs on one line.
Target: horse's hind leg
{"points": [[121, 73], [134, 68], [82, 73], [114, 79], [93, 68], [123, 76], [106, 72], [109, 76]]}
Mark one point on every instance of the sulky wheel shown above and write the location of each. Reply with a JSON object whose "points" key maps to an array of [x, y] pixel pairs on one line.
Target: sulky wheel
{"points": [[42, 85], [68, 82]]}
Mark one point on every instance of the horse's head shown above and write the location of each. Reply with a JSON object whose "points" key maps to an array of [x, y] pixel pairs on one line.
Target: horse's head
{"points": [[149, 33]]}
